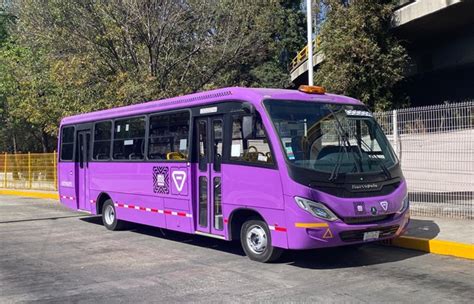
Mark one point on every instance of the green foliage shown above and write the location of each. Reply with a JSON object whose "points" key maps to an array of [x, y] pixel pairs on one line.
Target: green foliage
{"points": [[362, 58], [71, 56]]}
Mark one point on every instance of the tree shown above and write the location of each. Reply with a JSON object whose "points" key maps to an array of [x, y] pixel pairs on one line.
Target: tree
{"points": [[71, 56], [361, 57]]}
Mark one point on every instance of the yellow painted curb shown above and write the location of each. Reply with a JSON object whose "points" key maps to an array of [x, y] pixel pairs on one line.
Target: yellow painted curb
{"points": [[52, 195], [460, 250]]}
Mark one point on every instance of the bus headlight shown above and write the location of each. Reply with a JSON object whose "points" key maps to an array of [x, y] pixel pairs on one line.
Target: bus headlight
{"points": [[405, 204], [316, 209]]}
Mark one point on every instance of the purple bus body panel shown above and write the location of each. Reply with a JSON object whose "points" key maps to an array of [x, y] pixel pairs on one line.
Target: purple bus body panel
{"points": [[134, 185], [252, 187], [258, 189], [67, 182], [165, 194]]}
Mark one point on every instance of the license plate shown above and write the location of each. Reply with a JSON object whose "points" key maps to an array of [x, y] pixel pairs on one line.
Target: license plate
{"points": [[371, 235]]}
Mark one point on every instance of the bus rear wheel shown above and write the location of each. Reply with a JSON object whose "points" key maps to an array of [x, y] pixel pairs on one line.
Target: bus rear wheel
{"points": [[257, 242], [109, 217]]}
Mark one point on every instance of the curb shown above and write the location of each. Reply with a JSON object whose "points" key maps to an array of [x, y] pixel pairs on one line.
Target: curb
{"points": [[52, 195], [460, 250]]}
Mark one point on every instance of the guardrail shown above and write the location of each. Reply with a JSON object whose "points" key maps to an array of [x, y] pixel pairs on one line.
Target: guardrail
{"points": [[302, 55]]}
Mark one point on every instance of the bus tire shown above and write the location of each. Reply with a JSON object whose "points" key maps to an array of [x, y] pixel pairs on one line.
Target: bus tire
{"points": [[109, 217], [257, 242]]}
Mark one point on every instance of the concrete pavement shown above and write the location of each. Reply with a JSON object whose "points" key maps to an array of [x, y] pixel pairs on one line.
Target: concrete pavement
{"points": [[50, 254], [454, 230]]}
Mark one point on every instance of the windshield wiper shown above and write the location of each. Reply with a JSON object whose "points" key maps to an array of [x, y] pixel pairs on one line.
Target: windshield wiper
{"points": [[382, 166], [335, 170], [381, 163], [344, 137]]}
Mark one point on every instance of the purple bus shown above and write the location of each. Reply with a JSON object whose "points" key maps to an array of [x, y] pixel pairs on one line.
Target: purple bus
{"points": [[276, 169]]}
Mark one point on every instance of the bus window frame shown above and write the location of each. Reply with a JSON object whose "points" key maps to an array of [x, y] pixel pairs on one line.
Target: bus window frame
{"points": [[189, 138], [146, 138], [73, 144], [111, 141], [228, 141]]}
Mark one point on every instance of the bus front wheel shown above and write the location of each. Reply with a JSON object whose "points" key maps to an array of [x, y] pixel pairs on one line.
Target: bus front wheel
{"points": [[257, 242], [109, 216]]}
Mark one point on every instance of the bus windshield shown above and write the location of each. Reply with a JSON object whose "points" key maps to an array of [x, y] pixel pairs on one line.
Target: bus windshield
{"points": [[331, 138]]}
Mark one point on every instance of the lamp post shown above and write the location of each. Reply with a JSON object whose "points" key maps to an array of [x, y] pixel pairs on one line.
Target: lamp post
{"points": [[309, 22]]}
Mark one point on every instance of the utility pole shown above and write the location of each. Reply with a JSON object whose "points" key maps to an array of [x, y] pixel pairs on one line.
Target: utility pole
{"points": [[309, 21]]}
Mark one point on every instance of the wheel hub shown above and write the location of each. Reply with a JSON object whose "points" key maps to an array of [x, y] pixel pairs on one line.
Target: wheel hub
{"points": [[257, 239], [109, 215]]}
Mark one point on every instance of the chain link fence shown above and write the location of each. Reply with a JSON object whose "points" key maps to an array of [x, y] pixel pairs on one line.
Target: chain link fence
{"points": [[436, 147], [35, 171]]}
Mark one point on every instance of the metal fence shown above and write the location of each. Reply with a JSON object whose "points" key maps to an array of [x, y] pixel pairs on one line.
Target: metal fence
{"points": [[36, 171], [436, 147]]}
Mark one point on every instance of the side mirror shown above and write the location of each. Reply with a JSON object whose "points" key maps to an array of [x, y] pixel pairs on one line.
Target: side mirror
{"points": [[247, 126]]}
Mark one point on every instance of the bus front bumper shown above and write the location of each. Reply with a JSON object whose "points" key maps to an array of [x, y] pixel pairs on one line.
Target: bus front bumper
{"points": [[309, 235]]}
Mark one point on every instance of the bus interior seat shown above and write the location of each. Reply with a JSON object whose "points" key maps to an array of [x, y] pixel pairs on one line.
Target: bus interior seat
{"points": [[102, 156], [135, 156], [155, 156], [175, 156], [119, 156]]}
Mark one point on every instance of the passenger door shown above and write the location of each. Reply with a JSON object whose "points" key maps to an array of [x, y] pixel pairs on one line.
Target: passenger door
{"points": [[82, 166], [209, 146]]}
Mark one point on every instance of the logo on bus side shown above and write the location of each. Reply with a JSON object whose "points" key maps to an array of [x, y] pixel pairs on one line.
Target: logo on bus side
{"points": [[160, 180], [179, 178]]}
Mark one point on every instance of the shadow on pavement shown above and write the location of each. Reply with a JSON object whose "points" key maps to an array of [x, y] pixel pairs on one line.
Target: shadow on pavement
{"points": [[326, 258], [348, 256], [192, 239], [426, 229], [40, 219]]}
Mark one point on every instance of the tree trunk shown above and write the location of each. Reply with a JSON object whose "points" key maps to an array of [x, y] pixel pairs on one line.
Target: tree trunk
{"points": [[44, 141], [15, 150]]}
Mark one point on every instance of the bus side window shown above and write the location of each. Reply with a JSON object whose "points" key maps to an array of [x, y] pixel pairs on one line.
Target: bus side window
{"points": [[253, 149], [102, 140], [129, 139], [67, 143], [168, 136]]}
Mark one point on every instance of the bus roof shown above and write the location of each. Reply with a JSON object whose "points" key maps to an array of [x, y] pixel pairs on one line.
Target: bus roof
{"points": [[252, 95]]}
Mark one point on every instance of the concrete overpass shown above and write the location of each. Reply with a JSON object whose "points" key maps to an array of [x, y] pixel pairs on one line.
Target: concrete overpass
{"points": [[439, 37]]}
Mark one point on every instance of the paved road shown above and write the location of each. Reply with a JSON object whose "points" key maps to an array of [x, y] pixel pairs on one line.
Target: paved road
{"points": [[49, 254]]}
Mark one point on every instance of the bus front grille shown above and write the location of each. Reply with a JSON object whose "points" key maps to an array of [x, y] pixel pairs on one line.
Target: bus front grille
{"points": [[367, 219], [358, 235]]}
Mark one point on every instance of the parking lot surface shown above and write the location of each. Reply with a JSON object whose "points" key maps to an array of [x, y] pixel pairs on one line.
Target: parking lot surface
{"points": [[50, 254]]}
